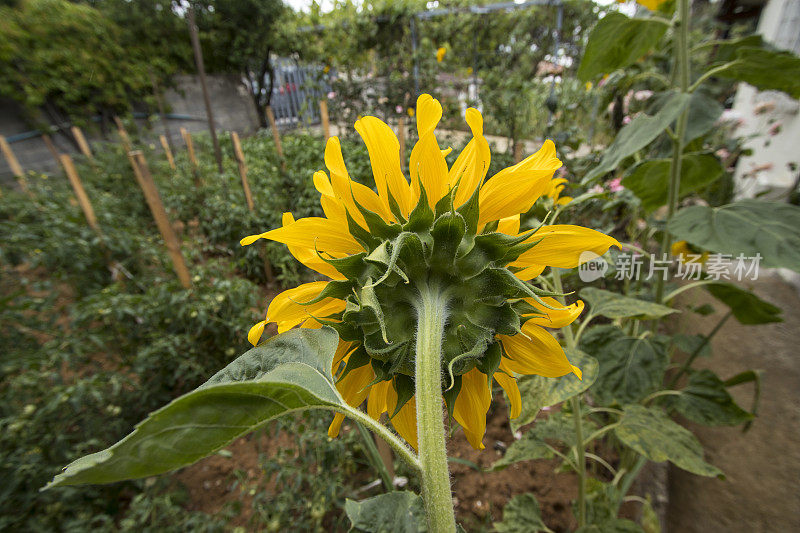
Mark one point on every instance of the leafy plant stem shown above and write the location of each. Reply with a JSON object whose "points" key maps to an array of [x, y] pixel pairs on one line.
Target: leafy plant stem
{"points": [[681, 53], [383, 432], [575, 402], [689, 360], [375, 458], [629, 478], [434, 473]]}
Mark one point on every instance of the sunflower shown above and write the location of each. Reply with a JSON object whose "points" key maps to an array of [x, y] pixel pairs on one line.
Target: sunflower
{"points": [[446, 226]]}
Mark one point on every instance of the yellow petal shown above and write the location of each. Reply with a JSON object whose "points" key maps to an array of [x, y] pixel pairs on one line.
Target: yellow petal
{"points": [[254, 335], [309, 257], [508, 225], [405, 421], [312, 232], [561, 246], [376, 402], [353, 388], [287, 311], [343, 349], [346, 190], [555, 318], [336, 425], [529, 272], [471, 405], [472, 164], [534, 351], [427, 164], [384, 154], [509, 384], [515, 189]]}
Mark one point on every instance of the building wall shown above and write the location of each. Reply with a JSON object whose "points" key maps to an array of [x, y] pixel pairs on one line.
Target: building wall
{"points": [[231, 103], [772, 118]]}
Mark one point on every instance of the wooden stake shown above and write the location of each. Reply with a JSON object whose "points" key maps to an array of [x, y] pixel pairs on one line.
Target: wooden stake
{"points": [[167, 151], [401, 137], [52, 147], [126, 140], [153, 199], [276, 136], [237, 152], [323, 113], [16, 168], [518, 149], [80, 192], [201, 72], [82, 144], [187, 138]]}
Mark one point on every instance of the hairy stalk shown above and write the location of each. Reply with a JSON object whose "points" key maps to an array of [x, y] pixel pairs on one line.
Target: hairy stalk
{"points": [[575, 402], [681, 53], [434, 472]]}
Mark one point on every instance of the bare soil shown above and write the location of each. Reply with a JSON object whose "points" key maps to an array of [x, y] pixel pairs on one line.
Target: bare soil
{"points": [[762, 489]]}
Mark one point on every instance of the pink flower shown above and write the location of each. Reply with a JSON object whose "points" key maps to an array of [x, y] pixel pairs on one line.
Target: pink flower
{"points": [[597, 189], [642, 95], [398, 109], [722, 153], [775, 128], [626, 119], [615, 185], [331, 95]]}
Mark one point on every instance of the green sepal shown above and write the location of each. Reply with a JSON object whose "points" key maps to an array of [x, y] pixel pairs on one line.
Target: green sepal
{"points": [[490, 362], [340, 289], [470, 210], [447, 232], [368, 300], [377, 226], [351, 266], [421, 217], [364, 238], [395, 209], [450, 396], [404, 387], [357, 359], [391, 260], [445, 204]]}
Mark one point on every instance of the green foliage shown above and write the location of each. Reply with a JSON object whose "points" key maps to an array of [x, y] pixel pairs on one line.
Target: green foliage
{"points": [[764, 68], [400, 512], [617, 42], [746, 227], [651, 433], [705, 400], [746, 307], [521, 515], [613, 305]]}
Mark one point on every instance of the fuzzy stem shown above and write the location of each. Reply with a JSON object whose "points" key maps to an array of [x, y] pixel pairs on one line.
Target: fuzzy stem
{"points": [[434, 472]]}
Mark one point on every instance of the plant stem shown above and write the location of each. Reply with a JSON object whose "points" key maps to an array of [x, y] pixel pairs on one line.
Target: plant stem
{"points": [[374, 457], [689, 360], [576, 415], [402, 450], [434, 472], [681, 54]]}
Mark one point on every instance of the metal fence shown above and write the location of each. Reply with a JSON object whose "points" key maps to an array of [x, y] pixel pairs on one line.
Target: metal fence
{"points": [[296, 93]]}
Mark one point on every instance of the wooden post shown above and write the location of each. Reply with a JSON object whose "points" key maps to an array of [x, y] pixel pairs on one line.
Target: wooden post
{"points": [[201, 72], [167, 151], [237, 152], [126, 140], [518, 151], [80, 192], [323, 113], [153, 199], [82, 144], [187, 138], [16, 168], [48, 141], [276, 136], [401, 138]]}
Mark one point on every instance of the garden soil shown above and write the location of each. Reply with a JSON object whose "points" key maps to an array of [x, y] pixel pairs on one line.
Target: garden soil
{"points": [[762, 467]]}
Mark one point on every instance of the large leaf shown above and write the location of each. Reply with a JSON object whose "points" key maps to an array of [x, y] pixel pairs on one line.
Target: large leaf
{"points": [[558, 427], [521, 515], [614, 305], [393, 512], [615, 525], [706, 400], [639, 133], [704, 112], [618, 41], [538, 392], [765, 69], [630, 367], [650, 180], [746, 307], [748, 227], [650, 432], [289, 372]]}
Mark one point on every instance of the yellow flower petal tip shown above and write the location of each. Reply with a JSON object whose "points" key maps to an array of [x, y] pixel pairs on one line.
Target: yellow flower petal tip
{"points": [[254, 335], [577, 372], [440, 53]]}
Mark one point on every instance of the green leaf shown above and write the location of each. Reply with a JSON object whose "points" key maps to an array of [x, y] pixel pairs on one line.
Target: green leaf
{"points": [[521, 515], [689, 343], [618, 41], [649, 432], [289, 372], [765, 69], [538, 392], [639, 133], [746, 307], [704, 112], [393, 512], [615, 525], [558, 427], [630, 367], [649, 180], [706, 400], [614, 305], [748, 227]]}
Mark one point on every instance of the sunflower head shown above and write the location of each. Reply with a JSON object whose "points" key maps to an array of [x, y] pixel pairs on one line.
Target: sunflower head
{"points": [[450, 230]]}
